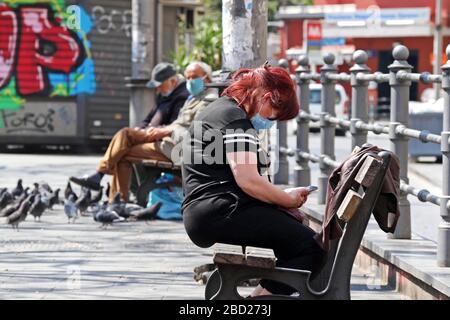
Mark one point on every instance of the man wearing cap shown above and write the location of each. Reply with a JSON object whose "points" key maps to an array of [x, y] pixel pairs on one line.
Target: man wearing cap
{"points": [[157, 143], [171, 95], [135, 144]]}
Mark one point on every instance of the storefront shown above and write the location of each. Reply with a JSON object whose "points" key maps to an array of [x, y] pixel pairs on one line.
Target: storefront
{"points": [[374, 29]]}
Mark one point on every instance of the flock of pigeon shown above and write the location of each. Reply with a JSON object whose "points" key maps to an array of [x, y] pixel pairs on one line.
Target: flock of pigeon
{"points": [[16, 204]]}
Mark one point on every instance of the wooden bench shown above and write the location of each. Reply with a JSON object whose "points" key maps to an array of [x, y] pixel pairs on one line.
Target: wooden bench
{"points": [[236, 264], [145, 175]]}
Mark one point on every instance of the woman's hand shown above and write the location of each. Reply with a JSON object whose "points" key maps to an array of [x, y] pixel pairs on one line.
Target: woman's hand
{"points": [[298, 195]]}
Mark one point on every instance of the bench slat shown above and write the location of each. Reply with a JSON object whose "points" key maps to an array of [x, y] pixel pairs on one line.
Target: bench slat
{"points": [[254, 257], [260, 257], [160, 164], [349, 205], [228, 254], [368, 171]]}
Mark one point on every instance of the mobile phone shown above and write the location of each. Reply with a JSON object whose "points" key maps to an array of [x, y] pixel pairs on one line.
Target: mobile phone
{"points": [[312, 188]]}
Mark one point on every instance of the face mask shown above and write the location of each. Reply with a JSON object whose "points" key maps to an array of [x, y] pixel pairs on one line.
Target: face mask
{"points": [[195, 86], [260, 123]]}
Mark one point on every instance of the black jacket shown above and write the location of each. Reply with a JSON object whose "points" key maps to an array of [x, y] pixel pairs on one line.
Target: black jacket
{"points": [[167, 108]]}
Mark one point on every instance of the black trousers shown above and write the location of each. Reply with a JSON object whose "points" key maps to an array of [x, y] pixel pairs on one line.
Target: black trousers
{"points": [[258, 225]]}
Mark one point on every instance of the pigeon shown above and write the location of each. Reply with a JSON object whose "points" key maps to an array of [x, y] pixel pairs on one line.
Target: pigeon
{"points": [[18, 216], [98, 197], [70, 208], [69, 191], [45, 186], [36, 188], [118, 206], [96, 207], [5, 199], [3, 190], [17, 191], [131, 207], [107, 217], [146, 214], [83, 202], [54, 199], [25, 192], [6, 212], [38, 207]]}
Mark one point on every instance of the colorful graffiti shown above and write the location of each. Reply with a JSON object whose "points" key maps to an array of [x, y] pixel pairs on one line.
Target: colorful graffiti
{"points": [[44, 51]]}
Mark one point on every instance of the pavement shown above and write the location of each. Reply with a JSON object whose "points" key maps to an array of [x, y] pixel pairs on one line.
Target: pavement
{"points": [[56, 260]]}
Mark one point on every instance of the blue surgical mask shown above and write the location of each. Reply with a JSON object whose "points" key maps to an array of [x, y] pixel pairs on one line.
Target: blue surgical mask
{"points": [[195, 86], [260, 123]]}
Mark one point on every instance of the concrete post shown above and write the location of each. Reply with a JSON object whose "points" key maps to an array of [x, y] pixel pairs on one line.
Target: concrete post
{"points": [[142, 100], [244, 24], [399, 144], [327, 130], [302, 170], [443, 249], [360, 100]]}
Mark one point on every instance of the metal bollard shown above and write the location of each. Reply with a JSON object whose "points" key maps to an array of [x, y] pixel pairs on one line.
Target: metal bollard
{"points": [[327, 130], [443, 245], [399, 144], [282, 171], [360, 99], [302, 170]]}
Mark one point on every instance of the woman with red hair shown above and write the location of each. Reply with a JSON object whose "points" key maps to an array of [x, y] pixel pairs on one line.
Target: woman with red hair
{"points": [[227, 200]]}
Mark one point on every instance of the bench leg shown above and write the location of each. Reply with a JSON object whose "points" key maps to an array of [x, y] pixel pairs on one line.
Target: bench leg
{"points": [[143, 191], [231, 275], [227, 285], [213, 285]]}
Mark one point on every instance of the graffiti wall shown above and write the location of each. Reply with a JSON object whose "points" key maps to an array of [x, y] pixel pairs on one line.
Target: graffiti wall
{"points": [[44, 53], [41, 119]]}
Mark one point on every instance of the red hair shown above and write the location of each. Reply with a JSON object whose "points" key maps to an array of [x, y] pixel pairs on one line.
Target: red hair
{"points": [[274, 81]]}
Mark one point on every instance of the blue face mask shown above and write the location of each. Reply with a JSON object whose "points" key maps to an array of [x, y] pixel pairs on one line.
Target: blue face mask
{"points": [[260, 123], [195, 86]]}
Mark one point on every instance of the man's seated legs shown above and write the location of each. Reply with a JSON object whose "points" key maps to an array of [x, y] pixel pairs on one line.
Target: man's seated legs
{"points": [[119, 147], [122, 172]]}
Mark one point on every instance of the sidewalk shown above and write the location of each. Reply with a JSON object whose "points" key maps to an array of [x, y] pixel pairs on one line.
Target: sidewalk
{"points": [[55, 260]]}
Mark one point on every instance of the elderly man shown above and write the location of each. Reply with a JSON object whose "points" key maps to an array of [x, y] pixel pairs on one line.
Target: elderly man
{"points": [[159, 142], [171, 95], [134, 144]]}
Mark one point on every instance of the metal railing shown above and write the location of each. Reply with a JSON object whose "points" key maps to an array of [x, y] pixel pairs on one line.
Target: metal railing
{"points": [[400, 78]]}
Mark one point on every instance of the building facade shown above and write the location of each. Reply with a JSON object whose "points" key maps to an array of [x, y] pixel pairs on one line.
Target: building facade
{"points": [[372, 25]]}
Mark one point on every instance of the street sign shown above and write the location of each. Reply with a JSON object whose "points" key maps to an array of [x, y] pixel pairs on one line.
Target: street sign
{"points": [[313, 36], [312, 40], [314, 31]]}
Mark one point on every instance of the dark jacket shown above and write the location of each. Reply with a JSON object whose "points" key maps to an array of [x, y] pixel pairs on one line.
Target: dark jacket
{"points": [[386, 210], [167, 108]]}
